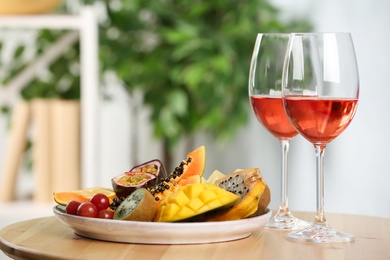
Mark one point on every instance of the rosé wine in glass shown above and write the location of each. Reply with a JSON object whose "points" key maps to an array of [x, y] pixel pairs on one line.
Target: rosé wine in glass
{"points": [[265, 92], [270, 112], [320, 96], [320, 120]]}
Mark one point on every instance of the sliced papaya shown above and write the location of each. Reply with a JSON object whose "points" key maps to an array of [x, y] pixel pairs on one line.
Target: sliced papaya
{"points": [[190, 180], [83, 195], [196, 162], [190, 171]]}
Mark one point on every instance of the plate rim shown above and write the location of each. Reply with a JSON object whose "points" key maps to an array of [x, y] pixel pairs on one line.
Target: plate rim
{"points": [[237, 229], [59, 212]]}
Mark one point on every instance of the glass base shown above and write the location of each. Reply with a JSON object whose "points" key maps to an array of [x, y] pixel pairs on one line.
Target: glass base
{"points": [[320, 233], [286, 221]]}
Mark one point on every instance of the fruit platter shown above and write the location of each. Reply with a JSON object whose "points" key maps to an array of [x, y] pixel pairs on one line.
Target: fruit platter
{"points": [[147, 205]]}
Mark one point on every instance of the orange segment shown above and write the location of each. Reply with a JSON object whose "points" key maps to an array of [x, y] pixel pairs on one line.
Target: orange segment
{"points": [[83, 195], [63, 198]]}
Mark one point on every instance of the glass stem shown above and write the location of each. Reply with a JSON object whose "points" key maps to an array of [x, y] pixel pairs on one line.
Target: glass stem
{"points": [[283, 208], [320, 214]]}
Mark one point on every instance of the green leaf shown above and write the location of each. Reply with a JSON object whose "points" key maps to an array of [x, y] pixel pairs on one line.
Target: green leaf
{"points": [[189, 58], [170, 126], [193, 75], [177, 102]]}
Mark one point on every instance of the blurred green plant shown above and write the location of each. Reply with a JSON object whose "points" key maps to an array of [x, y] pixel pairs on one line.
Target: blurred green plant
{"points": [[190, 59]]}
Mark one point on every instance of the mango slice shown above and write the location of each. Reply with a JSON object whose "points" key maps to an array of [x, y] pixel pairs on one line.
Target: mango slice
{"points": [[192, 200], [255, 194]]}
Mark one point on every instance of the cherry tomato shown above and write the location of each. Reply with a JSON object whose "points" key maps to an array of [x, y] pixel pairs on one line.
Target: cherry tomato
{"points": [[101, 201], [105, 213], [72, 206], [87, 209]]}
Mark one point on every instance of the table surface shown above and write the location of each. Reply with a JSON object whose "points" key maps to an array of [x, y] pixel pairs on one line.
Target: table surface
{"points": [[48, 238]]}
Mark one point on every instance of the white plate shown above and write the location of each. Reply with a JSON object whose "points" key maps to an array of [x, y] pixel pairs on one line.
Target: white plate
{"points": [[161, 232]]}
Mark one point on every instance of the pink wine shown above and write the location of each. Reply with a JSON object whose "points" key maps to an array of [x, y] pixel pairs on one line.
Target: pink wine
{"points": [[320, 120], [270, 112]]}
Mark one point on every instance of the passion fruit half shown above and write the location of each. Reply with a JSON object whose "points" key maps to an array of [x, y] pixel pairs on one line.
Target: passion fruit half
{"points": [[140, 176]]}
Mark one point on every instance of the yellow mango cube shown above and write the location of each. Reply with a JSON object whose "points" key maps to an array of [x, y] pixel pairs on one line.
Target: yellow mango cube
{"points": [[193, 191], [184, 213], [179, 198], [169, 210], [192, 200], [195, 204], [208, 195]]}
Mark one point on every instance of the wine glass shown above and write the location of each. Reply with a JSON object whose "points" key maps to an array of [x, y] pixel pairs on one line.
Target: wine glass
{"points": [[320, 97], [265, 92]]}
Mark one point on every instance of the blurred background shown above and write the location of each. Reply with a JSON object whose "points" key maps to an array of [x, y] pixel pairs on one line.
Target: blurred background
{"points": [[173, 76]]}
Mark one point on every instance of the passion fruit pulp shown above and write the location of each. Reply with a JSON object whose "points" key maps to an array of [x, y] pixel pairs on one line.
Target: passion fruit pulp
{"points": [[140, 176]]}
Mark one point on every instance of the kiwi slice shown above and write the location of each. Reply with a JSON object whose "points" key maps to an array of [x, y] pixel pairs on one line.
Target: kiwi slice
{"points": [[138, 206]]}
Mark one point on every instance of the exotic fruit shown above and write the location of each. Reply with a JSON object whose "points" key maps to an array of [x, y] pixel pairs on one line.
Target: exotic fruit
{"points": [[189, 171], [193, 200], [83, 195], [255, 194], [143, 175], [138, 206]]}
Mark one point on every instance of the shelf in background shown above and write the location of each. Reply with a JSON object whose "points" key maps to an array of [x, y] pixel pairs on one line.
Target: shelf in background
{"points": [[51, 21], [87, 25]]}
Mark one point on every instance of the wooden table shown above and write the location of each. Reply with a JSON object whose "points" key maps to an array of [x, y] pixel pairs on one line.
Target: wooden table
{"points": [[48, 238]]}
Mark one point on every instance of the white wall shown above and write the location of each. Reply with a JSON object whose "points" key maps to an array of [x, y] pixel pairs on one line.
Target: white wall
{"points": [[357, 173], [356, 162]]}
